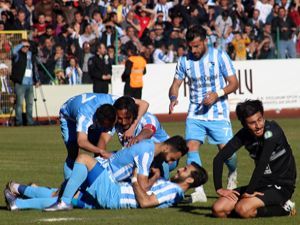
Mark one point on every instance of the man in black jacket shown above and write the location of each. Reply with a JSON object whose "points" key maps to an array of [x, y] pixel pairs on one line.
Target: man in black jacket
{"points": [[24, 76], [273, 179], [100, 70]]}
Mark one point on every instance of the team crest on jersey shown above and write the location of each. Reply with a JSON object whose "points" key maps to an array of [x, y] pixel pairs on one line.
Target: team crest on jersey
{"points": [[268, 134], [268, 170]]}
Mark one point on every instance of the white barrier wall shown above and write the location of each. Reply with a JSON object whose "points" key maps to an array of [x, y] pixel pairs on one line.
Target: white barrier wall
{"points": [[275, 82]]}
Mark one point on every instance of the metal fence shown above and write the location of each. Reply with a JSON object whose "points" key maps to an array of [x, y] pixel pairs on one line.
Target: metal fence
{"points": [[8, 40]]}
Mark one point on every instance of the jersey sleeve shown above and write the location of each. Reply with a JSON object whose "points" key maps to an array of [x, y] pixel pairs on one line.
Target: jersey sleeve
{"points": [[149, 122], [83, 123], [180, 69]]}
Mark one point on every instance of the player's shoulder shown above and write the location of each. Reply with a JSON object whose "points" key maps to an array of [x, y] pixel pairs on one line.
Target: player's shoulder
{"points": [[272, 129]]}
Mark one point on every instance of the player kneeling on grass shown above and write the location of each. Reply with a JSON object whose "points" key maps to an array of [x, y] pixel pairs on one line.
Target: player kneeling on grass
{"points": [[273, 179], [103, 192]]}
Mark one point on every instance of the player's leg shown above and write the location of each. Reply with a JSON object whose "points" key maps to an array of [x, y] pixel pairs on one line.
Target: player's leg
{"points": [[195, 134], [219, 133], [28, 191], [86, 168], [223, 207], [69, 135], [271, 203]]}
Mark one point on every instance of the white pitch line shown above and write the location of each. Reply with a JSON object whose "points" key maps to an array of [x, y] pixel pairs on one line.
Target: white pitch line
{"points": [[59, 219]]}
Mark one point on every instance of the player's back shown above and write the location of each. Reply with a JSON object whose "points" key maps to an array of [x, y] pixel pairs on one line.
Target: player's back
{"points": [[140, 155], [86, 103]]}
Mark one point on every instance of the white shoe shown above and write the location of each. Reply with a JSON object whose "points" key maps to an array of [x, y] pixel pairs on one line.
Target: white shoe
{"points": [[59, 206], [290, 207], [199, 195], [232, 180]]}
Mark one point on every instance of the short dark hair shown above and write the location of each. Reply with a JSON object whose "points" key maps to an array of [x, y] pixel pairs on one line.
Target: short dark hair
{"points": [[248, 108], [106, 112], [194, 32], [200, 175], [128, 103], [178, 144]]}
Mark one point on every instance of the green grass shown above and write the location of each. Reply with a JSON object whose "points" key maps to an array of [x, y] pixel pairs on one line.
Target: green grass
{"points": [[36, 154]]}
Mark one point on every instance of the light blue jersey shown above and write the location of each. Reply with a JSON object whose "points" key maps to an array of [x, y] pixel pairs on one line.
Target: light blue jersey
{"points": [[148, 121], [82, 108], [140, 155], [114, 195], [206, 75]]}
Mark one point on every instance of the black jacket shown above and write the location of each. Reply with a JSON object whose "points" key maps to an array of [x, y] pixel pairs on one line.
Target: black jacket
{"points": [[99, 66], [273, 157], [19, 66]]}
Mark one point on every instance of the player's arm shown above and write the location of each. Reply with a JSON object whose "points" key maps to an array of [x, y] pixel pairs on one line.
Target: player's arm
{"points": [[144, 200], [146, 133], [173, 94], [144, 182], [142, 109], [105, 137], [85, 144], [231, 147]]}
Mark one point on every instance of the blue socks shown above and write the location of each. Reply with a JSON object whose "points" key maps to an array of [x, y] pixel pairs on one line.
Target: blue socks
{"points": [[36, 192], [35, 203], [193, 156], [231, 163], [78, 176]]}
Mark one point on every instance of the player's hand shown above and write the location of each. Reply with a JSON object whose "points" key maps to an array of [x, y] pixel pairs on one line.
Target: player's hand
{"points": [[132, 141], [256, 193], [210, 98], [229, 194], [128, 134], [155, 172], [172, 105]]}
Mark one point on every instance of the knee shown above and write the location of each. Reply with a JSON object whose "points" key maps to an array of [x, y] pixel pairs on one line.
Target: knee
{"points": [[219, 211], [243, 211]]}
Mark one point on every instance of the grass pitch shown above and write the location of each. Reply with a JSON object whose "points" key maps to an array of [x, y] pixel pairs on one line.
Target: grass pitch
{"points": [[36, 154]]}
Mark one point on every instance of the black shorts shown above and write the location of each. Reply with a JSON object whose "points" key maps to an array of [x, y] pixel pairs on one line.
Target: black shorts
{"points": [[273, 194]]}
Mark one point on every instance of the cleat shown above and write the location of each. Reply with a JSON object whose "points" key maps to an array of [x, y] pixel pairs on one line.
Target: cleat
{"points": [[11, 186], [232, 180], [290, 207], [58, 206], [10, 200], [199, 195]]}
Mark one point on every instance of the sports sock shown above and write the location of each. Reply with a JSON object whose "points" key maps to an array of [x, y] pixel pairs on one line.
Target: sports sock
{"points": [[68, 165], [78, 176], [35, 203], [271, 210], [231, 163], [36, 192], [193, 156]]}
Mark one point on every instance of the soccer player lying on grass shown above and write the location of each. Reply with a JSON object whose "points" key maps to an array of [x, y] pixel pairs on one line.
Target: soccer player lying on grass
{"points": [[148, 127], [83, 126], [121, 165], [273, 179], [103, 192]]}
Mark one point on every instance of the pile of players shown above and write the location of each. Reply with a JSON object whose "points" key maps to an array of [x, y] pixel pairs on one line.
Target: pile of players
{"points": [[138, 175]]}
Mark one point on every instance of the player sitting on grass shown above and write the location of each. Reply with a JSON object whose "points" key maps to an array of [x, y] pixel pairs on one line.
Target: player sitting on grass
{"points": [[273, 179], [102, 192]]}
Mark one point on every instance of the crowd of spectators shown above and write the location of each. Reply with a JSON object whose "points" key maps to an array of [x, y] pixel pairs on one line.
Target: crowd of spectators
{"points": [[65, 35]]}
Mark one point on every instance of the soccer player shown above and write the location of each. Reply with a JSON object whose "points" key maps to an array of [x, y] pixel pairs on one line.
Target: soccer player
{"points": [[83, 124], [211, 78], [107, 194], [121, 164], [148, 128], [273, 180]]}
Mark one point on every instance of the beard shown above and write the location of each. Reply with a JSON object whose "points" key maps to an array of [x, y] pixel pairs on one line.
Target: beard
{"points": [[177, 180]]}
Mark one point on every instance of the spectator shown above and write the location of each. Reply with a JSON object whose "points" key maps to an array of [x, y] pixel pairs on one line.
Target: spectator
{"points": [[135, 68], [84, 57], [59, 23], [100, 70], [164, 7], [265, 49], [20, 22], [24, 75], [286, 27], [73, 72], [223, 27], [162, 54], [145, 18], [252, 50], [59, 61], [256, 24], [264, 7], [240, 43]]}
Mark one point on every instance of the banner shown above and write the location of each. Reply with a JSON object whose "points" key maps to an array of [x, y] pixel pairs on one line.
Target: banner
{"points": [[275, 82]]}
